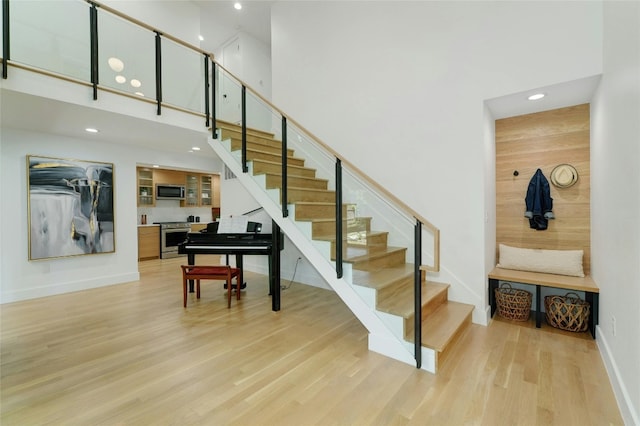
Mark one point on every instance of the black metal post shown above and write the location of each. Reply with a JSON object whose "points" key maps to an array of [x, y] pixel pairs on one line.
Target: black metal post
{"points": [[338, 218], [245, 169], [206, 90], [159, 73], [275, 267], [5, 38], [285, 201], [214, 131], [417, 298], [93, 31]]}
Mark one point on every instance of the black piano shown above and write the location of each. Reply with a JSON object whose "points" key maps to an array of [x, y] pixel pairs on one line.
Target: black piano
{"points": [[252, 242]]}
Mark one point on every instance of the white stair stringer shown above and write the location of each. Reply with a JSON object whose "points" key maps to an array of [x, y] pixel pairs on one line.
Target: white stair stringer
{"points": [[382, 339]]}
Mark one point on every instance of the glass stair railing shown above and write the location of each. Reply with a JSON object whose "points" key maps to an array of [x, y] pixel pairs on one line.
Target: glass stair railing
{"points": [[369, 239]]}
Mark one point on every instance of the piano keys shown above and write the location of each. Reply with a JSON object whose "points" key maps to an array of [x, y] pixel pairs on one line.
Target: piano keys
{"points": [[209, 241]]}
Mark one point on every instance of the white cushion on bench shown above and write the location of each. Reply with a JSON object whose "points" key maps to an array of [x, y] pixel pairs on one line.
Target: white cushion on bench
{"points": [[562, 262]]}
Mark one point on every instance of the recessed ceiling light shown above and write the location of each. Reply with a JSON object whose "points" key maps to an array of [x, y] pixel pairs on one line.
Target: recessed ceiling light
{"points": [[196, 148], [115, 64], [135, 83], [121, 79], [237, 6], [200, 38], [91, 130], [156, 166], [536, 96]]}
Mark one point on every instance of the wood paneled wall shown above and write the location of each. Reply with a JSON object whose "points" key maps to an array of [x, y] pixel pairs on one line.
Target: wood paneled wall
{"points": [[543, 141]]}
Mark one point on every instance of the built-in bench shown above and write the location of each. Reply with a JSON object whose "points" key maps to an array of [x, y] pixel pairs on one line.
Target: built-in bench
{"points": [[539, 280]]}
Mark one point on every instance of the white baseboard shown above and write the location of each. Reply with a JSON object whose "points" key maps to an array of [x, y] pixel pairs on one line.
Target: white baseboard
{"points": [[68, 287], [629, 414]]}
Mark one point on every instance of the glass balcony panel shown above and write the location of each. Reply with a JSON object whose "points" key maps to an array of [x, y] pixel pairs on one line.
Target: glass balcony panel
{"points": [[183, 78], [368, 214], [228, 97], [126, 56], [53, 36], [259, 114], [317, 216]]}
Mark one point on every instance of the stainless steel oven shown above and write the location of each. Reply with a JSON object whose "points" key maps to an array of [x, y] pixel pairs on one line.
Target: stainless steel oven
{"points": [[172, 234]]}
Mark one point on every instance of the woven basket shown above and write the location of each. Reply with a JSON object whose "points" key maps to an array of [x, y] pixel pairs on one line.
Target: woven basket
{"points": [[513, 304], [567, 312]]}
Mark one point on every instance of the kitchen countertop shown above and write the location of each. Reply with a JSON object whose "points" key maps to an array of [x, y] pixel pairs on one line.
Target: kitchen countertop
{"points": [[148, 224]]}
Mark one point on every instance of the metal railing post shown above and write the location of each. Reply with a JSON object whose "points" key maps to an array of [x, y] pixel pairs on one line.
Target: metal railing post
{"points": [[158, 73], [339, 253], [207, 110], [214, 131], [5, 38], [285, 202], [93, 31], [417, 298], [245, 169]]}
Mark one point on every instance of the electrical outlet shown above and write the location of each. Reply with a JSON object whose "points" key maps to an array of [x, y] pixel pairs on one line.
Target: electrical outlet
{"points": [[613, 325]]}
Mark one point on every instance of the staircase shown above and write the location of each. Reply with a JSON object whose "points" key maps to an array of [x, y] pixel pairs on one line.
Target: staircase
{"points": [[380, 274]]}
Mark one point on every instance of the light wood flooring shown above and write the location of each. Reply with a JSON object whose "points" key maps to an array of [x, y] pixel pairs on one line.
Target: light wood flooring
{"points": [[130, 354]]}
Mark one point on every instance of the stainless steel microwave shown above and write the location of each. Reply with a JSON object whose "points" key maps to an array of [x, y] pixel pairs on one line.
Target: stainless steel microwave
{"points": [[170, 192]]}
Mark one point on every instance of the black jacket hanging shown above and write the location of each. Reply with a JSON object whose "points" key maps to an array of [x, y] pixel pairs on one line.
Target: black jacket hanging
{"points": [[539, 202]]}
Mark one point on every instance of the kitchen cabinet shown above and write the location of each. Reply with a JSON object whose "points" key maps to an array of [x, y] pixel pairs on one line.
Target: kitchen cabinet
{"points": [[171, 177], [191, 191], [145, 187], [206, 191], [148, 242], [201, 190]]}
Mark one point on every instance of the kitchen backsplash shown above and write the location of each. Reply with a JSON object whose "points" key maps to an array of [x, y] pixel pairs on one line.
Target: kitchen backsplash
{"points": [[170, 211]]}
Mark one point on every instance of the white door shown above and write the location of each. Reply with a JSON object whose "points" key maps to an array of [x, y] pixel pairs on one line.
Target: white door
{"points": [[230, 89]]}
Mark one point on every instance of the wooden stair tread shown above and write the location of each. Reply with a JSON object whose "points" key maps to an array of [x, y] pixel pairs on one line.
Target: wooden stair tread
{"points": [[333, 220], [313, 179], [444, 325], [378, 279], [231, 127], [291, 168], [400, 301], [332, 238], [270, 154], [357, 254]]}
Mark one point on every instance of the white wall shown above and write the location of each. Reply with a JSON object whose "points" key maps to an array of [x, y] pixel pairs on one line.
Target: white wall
{"points": [[23, 279], [367, 76], [180, 19], [615, 195]]}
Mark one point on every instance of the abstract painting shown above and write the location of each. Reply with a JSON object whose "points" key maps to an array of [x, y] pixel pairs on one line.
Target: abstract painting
{"points": [[70, 207]]}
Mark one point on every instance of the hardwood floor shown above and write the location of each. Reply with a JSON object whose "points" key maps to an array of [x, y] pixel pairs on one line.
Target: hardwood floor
{"points": [[130, 354]]}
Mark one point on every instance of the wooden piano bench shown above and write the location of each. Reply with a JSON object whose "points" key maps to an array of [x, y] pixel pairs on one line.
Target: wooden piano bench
{"points": [[207, 272]]}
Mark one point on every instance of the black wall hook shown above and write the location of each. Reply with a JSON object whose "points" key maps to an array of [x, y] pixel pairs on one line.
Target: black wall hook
{"points": [[515, 173]]}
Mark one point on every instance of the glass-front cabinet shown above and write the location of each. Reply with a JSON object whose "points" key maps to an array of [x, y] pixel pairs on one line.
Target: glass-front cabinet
{"points": [[191, 193], [206, 190], [145, 187]]}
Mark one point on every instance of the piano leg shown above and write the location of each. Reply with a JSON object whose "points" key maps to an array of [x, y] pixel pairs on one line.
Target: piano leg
{"points": [[274, 268], [239, 265], [191, 260]]}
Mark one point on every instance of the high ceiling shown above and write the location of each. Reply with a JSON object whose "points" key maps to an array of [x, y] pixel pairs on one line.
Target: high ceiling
{"points": [[225, 22]]}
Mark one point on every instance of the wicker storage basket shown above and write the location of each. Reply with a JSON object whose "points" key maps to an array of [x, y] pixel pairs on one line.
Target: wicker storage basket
{"points": [[567, 312], [513, 304]]}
